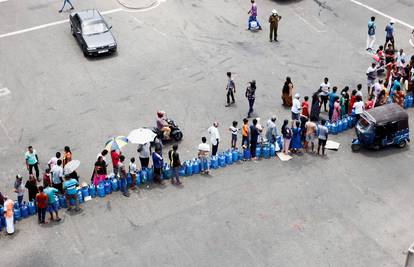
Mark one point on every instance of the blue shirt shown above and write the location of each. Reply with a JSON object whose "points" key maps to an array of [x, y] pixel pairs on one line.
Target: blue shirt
{"points": [[390, 30], [70, 186], [332, 96], [50, 193], [156, 160], [371, 28]]}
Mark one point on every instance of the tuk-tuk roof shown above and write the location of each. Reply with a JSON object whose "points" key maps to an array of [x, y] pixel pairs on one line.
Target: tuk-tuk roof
{"points": [[386, 114]]}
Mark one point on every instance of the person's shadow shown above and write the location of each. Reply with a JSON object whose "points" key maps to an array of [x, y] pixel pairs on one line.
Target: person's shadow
{"points": [[286, 2]]}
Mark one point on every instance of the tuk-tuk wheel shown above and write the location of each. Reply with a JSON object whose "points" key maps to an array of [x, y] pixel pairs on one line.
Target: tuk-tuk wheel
{"points": [[402, 144], [355, 147]]}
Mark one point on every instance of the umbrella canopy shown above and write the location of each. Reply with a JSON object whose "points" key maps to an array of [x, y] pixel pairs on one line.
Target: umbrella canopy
{"points": [[116, 143], [141, 136], [71, 166]]}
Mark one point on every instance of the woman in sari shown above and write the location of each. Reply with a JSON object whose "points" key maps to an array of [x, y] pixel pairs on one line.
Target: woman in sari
{"points": [[287, 93]]}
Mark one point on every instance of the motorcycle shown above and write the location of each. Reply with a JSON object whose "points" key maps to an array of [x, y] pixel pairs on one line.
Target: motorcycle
{"points": [[176, 133]]}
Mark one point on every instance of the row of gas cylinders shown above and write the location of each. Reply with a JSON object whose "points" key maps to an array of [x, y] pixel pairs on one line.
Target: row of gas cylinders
{"points": [[408, 101], [341, 125]]}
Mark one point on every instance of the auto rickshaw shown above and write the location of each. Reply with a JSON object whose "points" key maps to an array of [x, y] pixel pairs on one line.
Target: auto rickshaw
{"points": [[382, 126]]}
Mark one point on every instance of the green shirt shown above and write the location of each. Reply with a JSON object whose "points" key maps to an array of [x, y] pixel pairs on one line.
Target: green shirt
{"points": [[50, 192], [70, 186]]}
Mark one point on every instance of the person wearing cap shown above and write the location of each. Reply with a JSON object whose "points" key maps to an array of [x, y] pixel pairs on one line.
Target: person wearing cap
{"points": [[296, 107], [19, 189], [214, 138], [251, 96], [371, 34], [274, 22], [389, 36]]}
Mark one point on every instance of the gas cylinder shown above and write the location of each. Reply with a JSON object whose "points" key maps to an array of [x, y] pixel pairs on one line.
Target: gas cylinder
{"points": [[92, 190], [101, 190], [24, 210]]}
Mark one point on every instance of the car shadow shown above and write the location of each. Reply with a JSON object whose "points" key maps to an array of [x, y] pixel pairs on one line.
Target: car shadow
{"points": [[382, 152], [102, 57]]}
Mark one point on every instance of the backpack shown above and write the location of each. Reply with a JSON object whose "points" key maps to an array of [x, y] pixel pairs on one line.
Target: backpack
{"points": [[371, 29]]}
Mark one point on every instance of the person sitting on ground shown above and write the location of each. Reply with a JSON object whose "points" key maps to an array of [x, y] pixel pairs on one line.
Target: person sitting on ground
{"points": [[69, 186], [163, 125]]}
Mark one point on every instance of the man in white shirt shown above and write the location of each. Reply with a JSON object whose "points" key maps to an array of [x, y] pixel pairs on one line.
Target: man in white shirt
{"points": [[401, 58], [57, 174], [214, 138], [53, 161], [296, 107], [203, 150], [324, 92], [371, 77]]}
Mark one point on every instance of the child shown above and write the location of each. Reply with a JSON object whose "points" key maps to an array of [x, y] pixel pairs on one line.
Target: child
{"points": [[245, 133], [41, 201], [122, 176], [234, 131], [370, 103], [175, 164], [133, 172], [295, 144], [46, 178]]}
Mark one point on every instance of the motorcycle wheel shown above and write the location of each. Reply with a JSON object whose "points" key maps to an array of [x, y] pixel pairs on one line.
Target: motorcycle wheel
{"points": [[178, 136]]}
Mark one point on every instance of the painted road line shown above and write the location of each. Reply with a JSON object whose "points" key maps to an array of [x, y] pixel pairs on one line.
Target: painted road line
{"points": [[308, 23], [4, 91], [2, 1], [383, 14], [47, 25]]}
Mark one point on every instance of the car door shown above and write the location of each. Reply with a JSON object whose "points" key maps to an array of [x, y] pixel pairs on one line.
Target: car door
{"points": [[77, 28]]}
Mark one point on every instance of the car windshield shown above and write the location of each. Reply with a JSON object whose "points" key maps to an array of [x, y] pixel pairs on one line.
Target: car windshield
{"points": [[94, 28]]}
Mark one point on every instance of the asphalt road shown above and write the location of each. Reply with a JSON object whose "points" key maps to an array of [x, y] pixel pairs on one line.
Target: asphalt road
{"points": [[343, 210]]}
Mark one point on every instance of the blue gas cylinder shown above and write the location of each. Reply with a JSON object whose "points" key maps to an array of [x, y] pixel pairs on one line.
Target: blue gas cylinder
{"points": [[214, 162], [340, 126], [246, 154], [344, 124], [144, 175], [80, 196], [92, 190], [114, 184], [32, 208], [167, 171], [272, 151], [138, 178], [101, 190], [241, 155], [150, 174], [258, 151], [57, 203], [405, 103], [410, 101], [62, 201], [2, 220], [17, 214], [24, 210], [181, 171], [266, 152], [196, 166], [188, 168], [222, 160], [16, 205], [85, 191], [228, 156], [334, 127], [108, 187], [129, 179], [235, 155]]}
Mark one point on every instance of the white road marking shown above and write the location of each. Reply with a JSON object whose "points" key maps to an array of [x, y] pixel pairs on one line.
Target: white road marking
{"points": [[4, 91], [155, 29], [47, 25], [307, 23], [383, 14], [2, 1]]}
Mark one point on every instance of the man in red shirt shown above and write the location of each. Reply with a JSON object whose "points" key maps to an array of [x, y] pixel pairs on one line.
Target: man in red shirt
{"points": [[41, 202], [115, 160]]}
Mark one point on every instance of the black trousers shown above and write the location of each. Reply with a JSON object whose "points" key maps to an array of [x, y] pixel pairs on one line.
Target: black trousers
{"points": [[230, 94], [36, 167], [144, 162], [324, 101], [214, 149], [41, 213]]}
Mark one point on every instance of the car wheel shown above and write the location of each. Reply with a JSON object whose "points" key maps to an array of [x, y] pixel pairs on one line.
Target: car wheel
{"points": [[178, 136], [355, 147], [402, 144]]}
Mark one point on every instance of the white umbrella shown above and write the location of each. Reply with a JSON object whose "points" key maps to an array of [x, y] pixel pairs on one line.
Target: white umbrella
{"points": [[141, 136], [71, 166]]}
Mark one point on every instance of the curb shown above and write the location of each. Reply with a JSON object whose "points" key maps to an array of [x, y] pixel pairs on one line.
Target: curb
{"points": [[137, 6]]}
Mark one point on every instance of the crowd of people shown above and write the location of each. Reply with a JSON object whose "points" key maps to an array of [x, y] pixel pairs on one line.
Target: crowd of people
{"points": [[389, 78]]}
